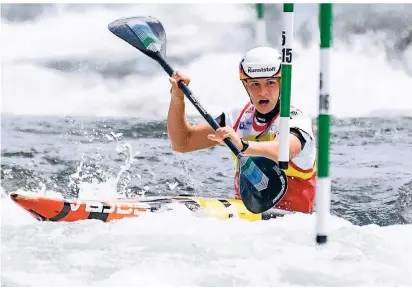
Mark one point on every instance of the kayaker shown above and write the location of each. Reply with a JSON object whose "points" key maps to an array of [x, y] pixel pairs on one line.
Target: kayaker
{"points": [[254, 127]]}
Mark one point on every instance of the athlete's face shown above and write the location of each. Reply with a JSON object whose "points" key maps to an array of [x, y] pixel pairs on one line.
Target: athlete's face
{"points": [[264, 93]]}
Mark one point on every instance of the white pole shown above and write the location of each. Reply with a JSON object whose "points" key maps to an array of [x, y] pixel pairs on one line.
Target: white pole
{"points": [[260, 26], [286, 85], [323, 185]]}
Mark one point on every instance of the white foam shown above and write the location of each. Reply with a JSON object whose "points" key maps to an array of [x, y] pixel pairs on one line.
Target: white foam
{"points": [[177, 248]]}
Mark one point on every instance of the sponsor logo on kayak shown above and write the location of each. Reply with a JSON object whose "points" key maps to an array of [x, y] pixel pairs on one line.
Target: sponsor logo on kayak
{"points": [[117, 208]]}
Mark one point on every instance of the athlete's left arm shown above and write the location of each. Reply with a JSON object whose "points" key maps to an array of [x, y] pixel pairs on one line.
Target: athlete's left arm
{"points": [[270, 149]]}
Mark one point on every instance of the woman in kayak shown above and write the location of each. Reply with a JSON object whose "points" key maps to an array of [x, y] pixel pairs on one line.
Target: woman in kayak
{"points": [[253, 128]]}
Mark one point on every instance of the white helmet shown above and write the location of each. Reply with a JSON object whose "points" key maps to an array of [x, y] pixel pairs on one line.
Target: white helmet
{"points": [[261, 62]]}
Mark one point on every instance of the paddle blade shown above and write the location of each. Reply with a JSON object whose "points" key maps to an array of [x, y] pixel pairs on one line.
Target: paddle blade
{"points": [[262, 184], [144, 33]]}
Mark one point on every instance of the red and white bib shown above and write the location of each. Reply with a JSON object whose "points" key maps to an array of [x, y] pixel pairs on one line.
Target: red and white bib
{"points": [[302, 168]]}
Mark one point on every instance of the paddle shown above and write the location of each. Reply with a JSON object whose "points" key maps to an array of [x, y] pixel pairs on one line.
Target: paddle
{"points": [[262, 184]]}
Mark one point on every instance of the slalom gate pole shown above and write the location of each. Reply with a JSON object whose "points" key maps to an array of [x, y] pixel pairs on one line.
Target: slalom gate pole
{"points": [[260, 31], [285, 86], [323, 183]]}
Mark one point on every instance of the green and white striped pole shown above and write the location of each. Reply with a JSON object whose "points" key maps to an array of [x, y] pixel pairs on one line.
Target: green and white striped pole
{"points": [[260, 25], [323, 182], [285, 89]]}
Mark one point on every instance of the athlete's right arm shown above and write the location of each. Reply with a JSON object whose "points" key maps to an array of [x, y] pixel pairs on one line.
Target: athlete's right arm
{"points": [[183, 136]]}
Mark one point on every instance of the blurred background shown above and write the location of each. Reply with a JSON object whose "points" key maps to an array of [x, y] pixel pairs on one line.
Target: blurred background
{"points": [[61, 59]]}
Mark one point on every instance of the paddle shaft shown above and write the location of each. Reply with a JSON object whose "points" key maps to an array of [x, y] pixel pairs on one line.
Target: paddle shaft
{"points": [[212, 122]]}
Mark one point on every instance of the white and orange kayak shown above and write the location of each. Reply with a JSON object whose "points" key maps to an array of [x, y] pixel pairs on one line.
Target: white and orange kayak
{"points": [[47, 208]]}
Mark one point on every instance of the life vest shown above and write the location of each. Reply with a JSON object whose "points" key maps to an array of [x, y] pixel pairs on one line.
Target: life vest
{"points": [[301, 172]]}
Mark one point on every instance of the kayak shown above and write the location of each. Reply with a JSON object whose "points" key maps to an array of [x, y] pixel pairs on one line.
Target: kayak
{"points": [[49, 208]]}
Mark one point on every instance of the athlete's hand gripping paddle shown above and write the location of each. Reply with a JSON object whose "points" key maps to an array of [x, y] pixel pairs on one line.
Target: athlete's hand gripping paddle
{"points": [[262, 184]]}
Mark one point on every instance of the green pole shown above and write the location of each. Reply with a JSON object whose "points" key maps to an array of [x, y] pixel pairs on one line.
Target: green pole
{"points": [[260, 10], [323, 182], [285, 91], [260, 25]]}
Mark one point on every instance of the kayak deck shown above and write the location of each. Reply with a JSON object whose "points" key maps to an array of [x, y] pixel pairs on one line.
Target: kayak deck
{"points": [[47, 208]]}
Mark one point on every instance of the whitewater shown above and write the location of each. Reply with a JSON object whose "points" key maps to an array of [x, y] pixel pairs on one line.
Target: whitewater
{"points": [[73, 95], [177, 248], [79, 67]]}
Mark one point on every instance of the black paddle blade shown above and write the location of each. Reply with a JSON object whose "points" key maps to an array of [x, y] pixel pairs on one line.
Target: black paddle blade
{"points": [[144, 33], [262, 184]]}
